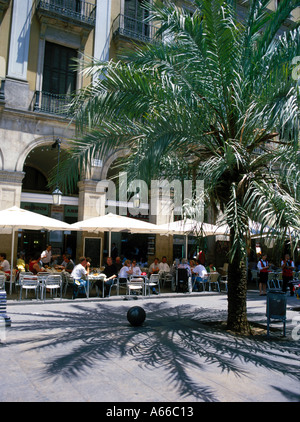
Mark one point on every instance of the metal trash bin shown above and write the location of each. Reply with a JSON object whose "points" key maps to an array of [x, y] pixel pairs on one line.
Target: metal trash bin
{"points": [[276, 307]]}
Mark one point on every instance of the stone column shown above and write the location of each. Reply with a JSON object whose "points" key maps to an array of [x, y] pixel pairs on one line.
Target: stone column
{"points": [[161, 212], [102, 30], [10, 188], [17, 87], [91, 203], [10, 195]]}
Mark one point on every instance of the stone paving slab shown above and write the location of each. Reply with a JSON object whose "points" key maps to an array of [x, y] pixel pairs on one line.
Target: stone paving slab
{"points": [[86, 351]]}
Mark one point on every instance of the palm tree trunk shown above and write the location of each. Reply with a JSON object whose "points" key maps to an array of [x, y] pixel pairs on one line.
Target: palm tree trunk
{"points": [[237, 297]]}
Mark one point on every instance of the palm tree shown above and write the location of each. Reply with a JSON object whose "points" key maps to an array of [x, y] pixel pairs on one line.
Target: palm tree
{"points": [[216, 93]]}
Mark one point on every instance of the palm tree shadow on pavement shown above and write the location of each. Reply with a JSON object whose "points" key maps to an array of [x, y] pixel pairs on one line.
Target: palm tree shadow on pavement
{"points": [[178, 340]]}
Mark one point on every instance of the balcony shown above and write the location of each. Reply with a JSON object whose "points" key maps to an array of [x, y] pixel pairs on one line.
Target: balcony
{"points": [[129, 28], [75, 12], [54, 104]]}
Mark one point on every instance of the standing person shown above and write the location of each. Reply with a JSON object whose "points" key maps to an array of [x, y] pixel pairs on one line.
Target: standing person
{"points": [[80, 274], [114, 251], [46, 255], [263, 268], [288, 267]]}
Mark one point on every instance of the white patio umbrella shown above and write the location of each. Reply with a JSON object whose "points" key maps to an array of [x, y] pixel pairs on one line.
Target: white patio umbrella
{"points": [[15, 218], [116, 223], [192, 227]]}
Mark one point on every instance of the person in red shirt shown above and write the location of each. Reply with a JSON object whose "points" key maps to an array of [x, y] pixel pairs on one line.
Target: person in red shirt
{"points": [[288, 267]]}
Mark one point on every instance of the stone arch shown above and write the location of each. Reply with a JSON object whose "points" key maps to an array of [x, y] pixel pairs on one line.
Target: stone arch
{"points": [[37, 142], [110, 159]]}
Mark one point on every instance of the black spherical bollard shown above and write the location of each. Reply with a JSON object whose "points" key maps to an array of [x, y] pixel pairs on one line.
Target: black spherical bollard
{"points": [[136, 316]]}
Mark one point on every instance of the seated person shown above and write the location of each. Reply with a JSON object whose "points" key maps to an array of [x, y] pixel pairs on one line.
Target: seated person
{"points": [[34, 265], [154, 267], [163, 265], [200, 273], [65, 262], [21, 266], [4, 264], [184, 264], [111, 273], [136, 271], [68, 264], [80, 274], [211, 268], [118, 264], [125, 272]]}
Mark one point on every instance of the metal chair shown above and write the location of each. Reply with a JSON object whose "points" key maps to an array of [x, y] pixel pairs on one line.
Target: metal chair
{"points": [[152, 282], [115, 285], [66, 281], [81, 288], [254, 274], [2, 281], [42, 277], [202, 280], [53, 282], [135, 284], [167, 279], [29, 282], [271, 281], [213, 279], [279, 280], [224, 280]]}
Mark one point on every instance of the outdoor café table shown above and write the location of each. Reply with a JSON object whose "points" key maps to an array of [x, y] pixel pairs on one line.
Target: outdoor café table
{"points": [[92, 278]]}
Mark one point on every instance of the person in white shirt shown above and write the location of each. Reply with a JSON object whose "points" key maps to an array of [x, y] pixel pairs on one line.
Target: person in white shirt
{"points": [[163, 265], [136, 271], [4, 264], [263, 268], [125, 271], [80, 274], [200, 272], [46, 255], [154, 268]]}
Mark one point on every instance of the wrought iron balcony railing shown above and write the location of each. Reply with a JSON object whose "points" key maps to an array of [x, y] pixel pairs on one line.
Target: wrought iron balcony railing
{"points": [[57, 104], [133, 28], [76, 10]]}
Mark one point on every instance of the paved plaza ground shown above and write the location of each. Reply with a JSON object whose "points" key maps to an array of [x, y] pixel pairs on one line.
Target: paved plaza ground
{"points": [[86, 351]]}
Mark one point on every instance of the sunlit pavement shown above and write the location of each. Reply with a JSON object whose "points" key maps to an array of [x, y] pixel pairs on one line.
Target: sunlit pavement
{"points": [[86, 350]]}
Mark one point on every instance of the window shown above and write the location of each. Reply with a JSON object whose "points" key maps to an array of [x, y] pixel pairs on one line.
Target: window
{"points": [[59, 76], [59, 79], [134, 17]]}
